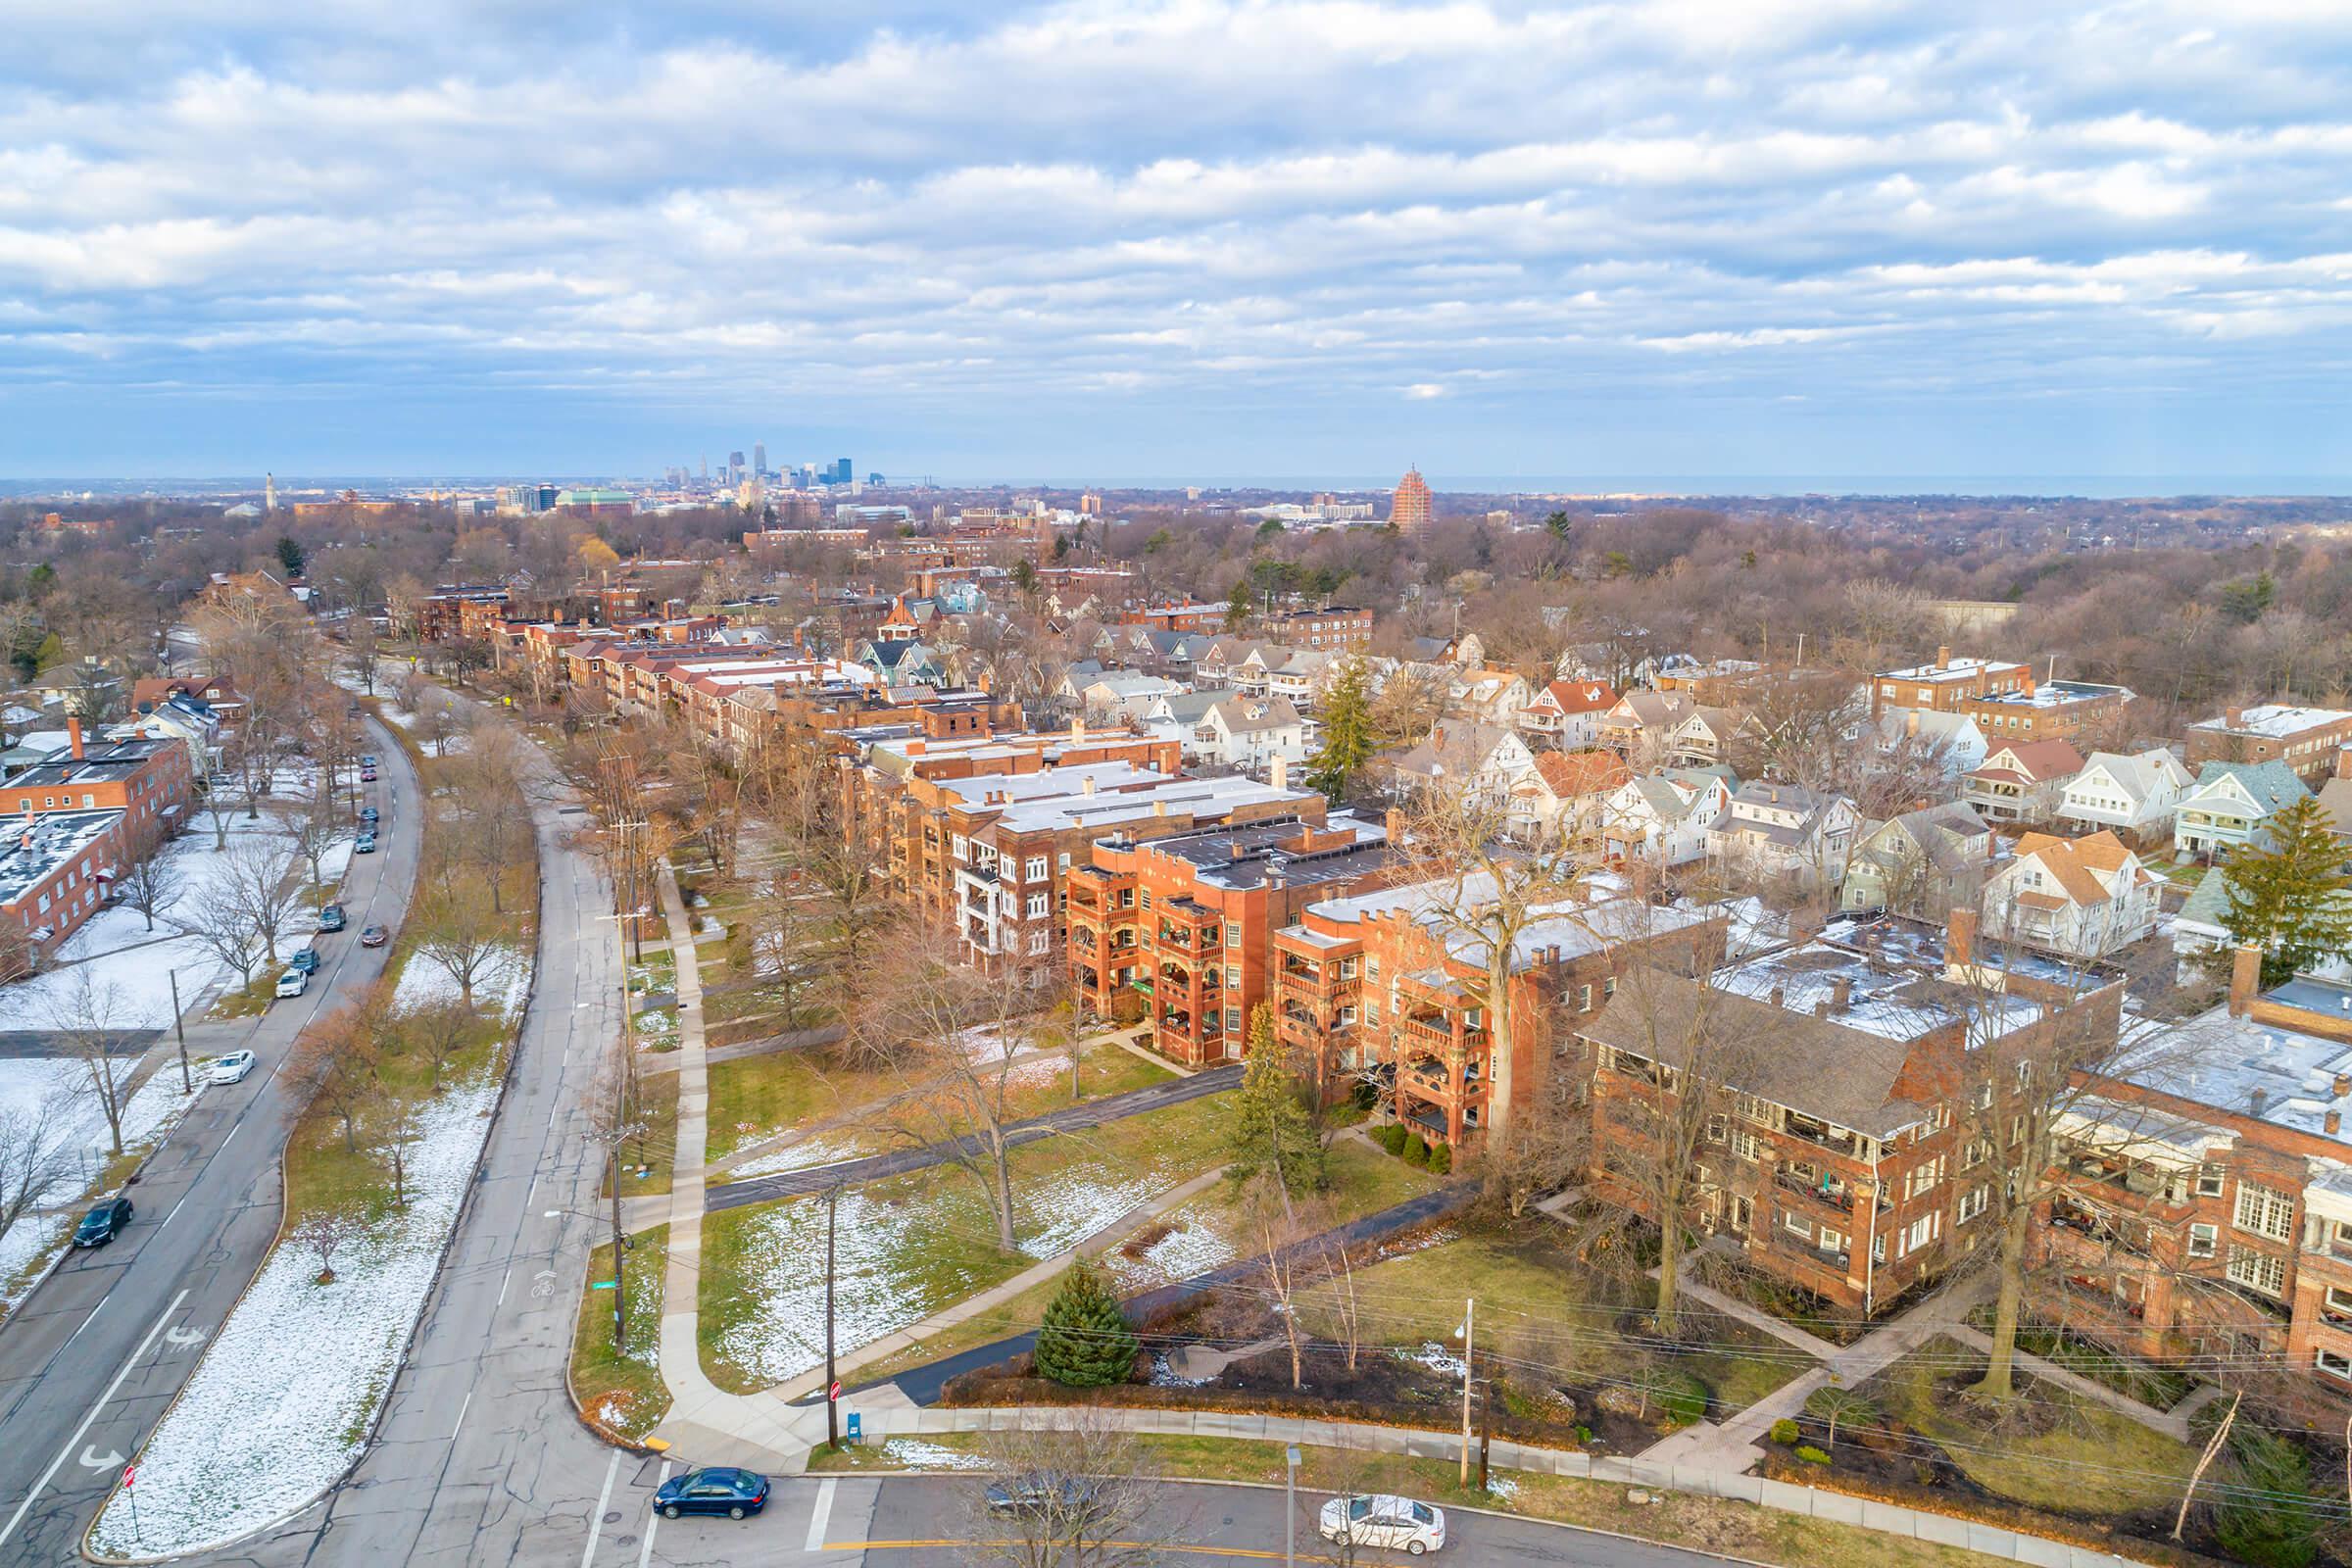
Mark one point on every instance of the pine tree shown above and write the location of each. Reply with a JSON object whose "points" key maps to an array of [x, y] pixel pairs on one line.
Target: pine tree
{"points": [[1083, 1340], [1347, 741], [2290, 897], [1269, 1122]]}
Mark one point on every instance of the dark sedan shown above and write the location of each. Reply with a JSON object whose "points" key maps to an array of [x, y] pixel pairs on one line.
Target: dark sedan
{"points": [[104, 1223], [733, 1493], [375, 936]]}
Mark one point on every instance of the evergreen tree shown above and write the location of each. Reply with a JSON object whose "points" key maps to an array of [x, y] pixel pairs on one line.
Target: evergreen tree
{"points": [[1269, 1122], [2290, 898], [1347, 739], [1083, 1340], [1236, 606], [290, 555]]}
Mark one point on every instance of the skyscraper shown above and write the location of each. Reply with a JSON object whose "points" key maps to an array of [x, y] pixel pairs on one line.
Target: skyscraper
{"points": [[842, 471], [758, 459], [1410, 512]]}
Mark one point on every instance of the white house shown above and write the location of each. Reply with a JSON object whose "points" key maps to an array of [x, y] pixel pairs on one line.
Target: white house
{"points": [[2136, 795], [1302, 678], [2022, 782], [1495, 761], [1177, 716], [1249, 732], [1488, 696], [1663, 817], [1953, 739], [2231, 804], [1122, 697], [1785, 832], [1567, 713], [2081, 897]]}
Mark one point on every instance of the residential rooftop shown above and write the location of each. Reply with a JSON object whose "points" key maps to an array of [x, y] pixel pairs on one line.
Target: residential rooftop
{"points": [[1949, 669], [31, 852], [2273, 720], [2050, 693], [1251, 855]]}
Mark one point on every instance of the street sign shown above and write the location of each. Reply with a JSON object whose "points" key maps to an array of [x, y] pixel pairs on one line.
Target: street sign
{"points": [[602, 1285], [130, 1474], [835, 1393]]}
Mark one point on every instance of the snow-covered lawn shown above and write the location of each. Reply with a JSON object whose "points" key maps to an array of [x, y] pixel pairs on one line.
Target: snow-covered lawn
{"points": [[296, 1419], [914, 1453], [1194, 1244], [500, 985], [826, 1149]]}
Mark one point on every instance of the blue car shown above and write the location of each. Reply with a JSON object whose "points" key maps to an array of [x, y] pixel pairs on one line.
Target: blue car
{"points": [[332, 918], [733, 1493], [104, 1223], [307, 960]]}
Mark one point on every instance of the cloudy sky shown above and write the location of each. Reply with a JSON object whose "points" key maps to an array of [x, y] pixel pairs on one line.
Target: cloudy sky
{"points": [[1185, 239]]}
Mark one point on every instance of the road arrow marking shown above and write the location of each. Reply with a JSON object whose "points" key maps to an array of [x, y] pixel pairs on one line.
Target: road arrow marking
{"points": [[91, 1459], [183, 1337]]}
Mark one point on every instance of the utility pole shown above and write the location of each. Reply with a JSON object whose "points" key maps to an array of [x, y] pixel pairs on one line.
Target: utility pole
{"points": [[621, 1294], [832, 1402], [1486, 1426], [187, 1084], [1469, 1325]]}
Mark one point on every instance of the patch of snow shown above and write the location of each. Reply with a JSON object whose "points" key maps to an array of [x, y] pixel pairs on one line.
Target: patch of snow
{"points": [[1165, 1376], [914, 1454], [1191, 1249], [1501, 1487], [1436, 1357], [298, 1418], [24, 1251], [500, 984], [826, 1149]]}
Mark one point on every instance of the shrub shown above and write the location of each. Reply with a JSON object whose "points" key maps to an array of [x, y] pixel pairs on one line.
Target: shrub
{"points": [[1416, 1151], [1366, 1094], [2276, 1517], [1441, 1159], [1812, 1456], [1391, 1138], [1084, 1339], [1583, 1435], [1783, 1431]]}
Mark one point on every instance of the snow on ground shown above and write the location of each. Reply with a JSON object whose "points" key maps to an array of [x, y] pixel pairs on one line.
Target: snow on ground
{"points": [[500, 984], [1192, 1248], [296, 1418], [914, 1454], [1436, 1357], [826, 1149], [139, 976]]}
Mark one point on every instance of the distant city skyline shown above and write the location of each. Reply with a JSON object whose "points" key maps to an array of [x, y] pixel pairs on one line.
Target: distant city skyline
{"points": [[1225, 238]]}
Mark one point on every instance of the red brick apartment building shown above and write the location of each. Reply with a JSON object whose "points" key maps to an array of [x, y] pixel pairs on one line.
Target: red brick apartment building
{"points": [[2046, 711], [143, 779], [54, 869], [2307, 740], [2207, 1205], [1183, 927], [1946, 686], [1344, 628], [1837, 1158], [1375, 986]]}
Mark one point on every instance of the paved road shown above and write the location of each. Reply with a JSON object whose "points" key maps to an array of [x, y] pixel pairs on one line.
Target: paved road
{"points": [[1070, 1118], [89, 1363]]}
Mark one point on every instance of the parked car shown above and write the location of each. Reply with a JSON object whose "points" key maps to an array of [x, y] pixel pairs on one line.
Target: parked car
{"points": [[365, 845], [1379, 1520], [375, 936], [1069, 1497], [366, 758], [368, 814], [332, 918], [104, 1223], [293, 983], [366, 775], [307, 960], [733, 1493], [232, 1068]]}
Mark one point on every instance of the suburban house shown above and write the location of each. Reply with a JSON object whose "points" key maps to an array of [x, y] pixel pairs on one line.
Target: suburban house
{"points": [[1661, 819], [1921, 863], [2230, 804], [2202, 938], [2080, 899], [2306, 739], [1488, 696], [1952, 740], [1839, 1077], [1641, 727], [2133, 796], [1299, 679], [1705, 737], [218, 694], [1784, 833], [2207, 1200], [1568, 794], [1250, 734], [1488, 759], [1121, 697], [1567, 713], [2022, 781]]}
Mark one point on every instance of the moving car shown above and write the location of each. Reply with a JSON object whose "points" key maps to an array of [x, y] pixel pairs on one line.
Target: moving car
{"points": [[733, 1493], [1069, 1497], [293, 983], [367, 814], [307, 960], [332, 918], [365, 845], [104, 1223], [1379, 1520], [375, 936], [233, 1067]]}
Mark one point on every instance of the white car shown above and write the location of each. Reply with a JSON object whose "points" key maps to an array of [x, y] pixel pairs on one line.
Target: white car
{"points": [[233, 1067], [293, 983], [1398, 1523]]}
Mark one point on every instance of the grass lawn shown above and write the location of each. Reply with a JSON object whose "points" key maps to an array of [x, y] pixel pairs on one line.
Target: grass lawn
{"points": [[2092, 1460], [755, 1097], [1698, 1524], [658, 972], [623, 1393], [656, 1148], [1544, 1309], [915, 1245]]}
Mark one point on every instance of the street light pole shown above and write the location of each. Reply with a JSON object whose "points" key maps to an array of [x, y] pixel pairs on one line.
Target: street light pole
{"points": [[1290, 1511], [832, 1404], [1469, 1324], [187, 1084]]}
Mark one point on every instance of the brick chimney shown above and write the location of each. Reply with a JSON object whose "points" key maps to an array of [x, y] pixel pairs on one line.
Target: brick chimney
{"points": [[1395, 826], [1282, 771], [2245, 978], [1960, 939], [1943, 658], [1841, 994], [74, 734], [2233, 716]]}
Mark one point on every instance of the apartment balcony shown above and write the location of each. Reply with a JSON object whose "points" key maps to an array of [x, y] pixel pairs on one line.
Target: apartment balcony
{"points": [[1820, 1134], [1435, 1033], [2078, 1228], [1816, 1268], [1439, 1085], [1829, 1192]]}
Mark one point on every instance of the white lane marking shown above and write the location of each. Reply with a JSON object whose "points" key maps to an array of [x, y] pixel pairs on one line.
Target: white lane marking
{"points": [[460, 1422], [821, 1517], [596, 1521], [75, 1442], [232, 1138], [504, 1281], [175, 1208], [92, 1460], [652, 1517]]}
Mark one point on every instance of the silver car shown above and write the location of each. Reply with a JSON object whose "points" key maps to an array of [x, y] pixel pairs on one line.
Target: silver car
{"points": [[1379, 1520]]}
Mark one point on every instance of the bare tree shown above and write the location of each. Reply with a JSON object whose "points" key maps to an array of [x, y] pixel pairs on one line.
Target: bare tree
{"points": [[437, 722], [322, 1233], [37, 1156], [93, 1021], [150, 882], [338, 1060], [1087, 1496], [439, 1032], [395, 1124], [255, 880], [457, 930], [218, 920], [1279, 1229], [313, 829]]}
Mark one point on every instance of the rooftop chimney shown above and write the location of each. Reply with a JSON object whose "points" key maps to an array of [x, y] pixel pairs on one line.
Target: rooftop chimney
{"points": [[2344, 1083], [1086, 785], [1841, 994], [2256, 1101], [2335, 1120], [2245, 978], [1943, 658], [1282, 771], [1960, 939], [74, 734], [1821, 1009], [1779, 996], [2233, 716]]}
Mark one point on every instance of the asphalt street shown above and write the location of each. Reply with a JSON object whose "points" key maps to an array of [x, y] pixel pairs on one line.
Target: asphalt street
{"points": [[91, 1360]]}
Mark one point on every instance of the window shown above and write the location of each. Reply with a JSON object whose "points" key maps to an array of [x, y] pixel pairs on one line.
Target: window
{"points": [[1878, 1248], [1233, 933], [1975, 1152], [1924, 1177], [1037, 905], [2024, 1074], [2202, 1239], [1038, 941], [2257, 1271], [1233, 1018], [2334, 1365], [88, 800], [2265, 1213], [1919, 1235], [2338, 1303], [1584, 999], [2209, 1180], [1745, 1146], [961, 848], [1719, 1128], [1065, 860], [1973, 1202], [1035, 870], [1146, 898], [1233, 977], [1608, 987], [1830, 1240], [1796, 1224]]}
